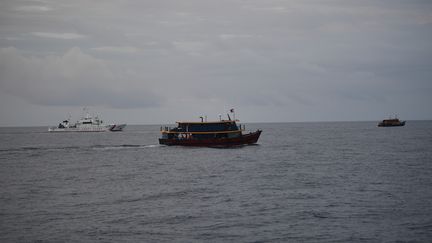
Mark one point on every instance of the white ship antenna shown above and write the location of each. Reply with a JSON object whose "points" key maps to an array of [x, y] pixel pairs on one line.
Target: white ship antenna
{"points": [[86, 113]]}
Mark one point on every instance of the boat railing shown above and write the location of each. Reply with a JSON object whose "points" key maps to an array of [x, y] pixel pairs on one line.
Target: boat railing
{"points": [[165, 129], [170, 130], [241, 127]]}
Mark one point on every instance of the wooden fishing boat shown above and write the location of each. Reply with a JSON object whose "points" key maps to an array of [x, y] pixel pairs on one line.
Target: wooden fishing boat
{"points": [[395, 122], [223, 133]]}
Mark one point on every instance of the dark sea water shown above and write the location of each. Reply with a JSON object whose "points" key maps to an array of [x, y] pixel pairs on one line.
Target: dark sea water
{"points": [[304, 182]]}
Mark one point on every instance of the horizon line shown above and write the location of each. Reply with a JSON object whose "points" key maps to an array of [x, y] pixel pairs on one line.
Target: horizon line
{"points": [[260, 122]]}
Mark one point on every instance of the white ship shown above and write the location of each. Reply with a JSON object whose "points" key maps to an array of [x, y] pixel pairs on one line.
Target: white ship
{"points": [[87, 124]]}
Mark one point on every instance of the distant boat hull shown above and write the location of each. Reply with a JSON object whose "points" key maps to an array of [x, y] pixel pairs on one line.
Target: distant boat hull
{"points": [[117, 127], [391, 123], [245, 139]]}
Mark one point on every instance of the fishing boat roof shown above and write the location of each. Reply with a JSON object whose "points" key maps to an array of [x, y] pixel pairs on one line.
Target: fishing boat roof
{"points": [[393, 119], [210, 122]]}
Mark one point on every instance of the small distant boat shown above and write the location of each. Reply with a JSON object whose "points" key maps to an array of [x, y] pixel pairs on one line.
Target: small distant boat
{"points": [[222, 133], [116, 127], [392, 122], [86, 124]]}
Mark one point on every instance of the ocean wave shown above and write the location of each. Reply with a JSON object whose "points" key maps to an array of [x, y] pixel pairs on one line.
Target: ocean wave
{"points": [[71, 148], [124, 146]]}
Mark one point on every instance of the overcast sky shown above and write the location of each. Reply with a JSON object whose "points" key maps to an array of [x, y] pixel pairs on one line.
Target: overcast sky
{"points": [[158, 61]]}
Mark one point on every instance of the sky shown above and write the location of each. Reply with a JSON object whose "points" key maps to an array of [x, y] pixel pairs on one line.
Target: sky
{"points": [[159, 61]]}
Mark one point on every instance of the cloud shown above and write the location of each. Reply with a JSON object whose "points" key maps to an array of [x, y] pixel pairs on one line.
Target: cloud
{"points": [[191, 47], [271, 9], [74, 78], [118, 49], [33, 8], [65, 36], [233, 36]]}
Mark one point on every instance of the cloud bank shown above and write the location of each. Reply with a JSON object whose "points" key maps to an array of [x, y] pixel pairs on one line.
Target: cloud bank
{"points": [[73, 79]]}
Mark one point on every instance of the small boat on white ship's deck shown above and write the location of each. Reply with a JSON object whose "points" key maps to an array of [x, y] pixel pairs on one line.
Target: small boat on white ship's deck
{"points": [[87, 124]]}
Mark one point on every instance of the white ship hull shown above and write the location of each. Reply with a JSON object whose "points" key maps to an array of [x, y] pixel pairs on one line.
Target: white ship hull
{"points": [[79, 129]]}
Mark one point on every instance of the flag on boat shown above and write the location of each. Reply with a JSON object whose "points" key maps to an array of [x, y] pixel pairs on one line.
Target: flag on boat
{"points": [[232, 110]]}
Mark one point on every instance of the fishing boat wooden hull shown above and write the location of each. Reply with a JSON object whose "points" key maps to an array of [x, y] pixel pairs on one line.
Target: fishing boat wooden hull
{"points": [[244, 139]]}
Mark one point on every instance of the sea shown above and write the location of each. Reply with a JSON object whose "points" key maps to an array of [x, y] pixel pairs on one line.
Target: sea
{"points": [[302, 182]]}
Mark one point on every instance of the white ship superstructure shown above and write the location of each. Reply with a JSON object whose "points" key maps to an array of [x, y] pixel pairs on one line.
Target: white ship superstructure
{"points": [[86, 124]]}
